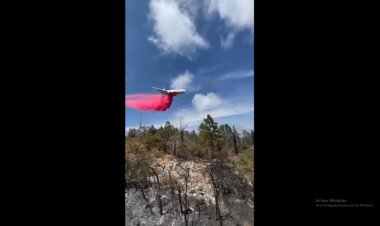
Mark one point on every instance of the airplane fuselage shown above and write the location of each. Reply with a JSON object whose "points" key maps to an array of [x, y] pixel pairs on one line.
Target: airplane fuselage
{"points": [[174, 92]]}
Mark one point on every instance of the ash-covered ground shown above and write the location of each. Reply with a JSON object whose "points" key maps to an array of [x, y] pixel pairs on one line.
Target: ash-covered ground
{"points": [[186, 192]]}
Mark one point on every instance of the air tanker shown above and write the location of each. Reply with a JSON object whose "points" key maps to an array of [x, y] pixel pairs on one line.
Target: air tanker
{"points": [[173, 92]]}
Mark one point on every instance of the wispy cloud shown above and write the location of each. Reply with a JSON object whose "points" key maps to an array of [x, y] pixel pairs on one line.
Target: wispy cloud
{"points": [[175, 32], [207, 70], [227, 42], [237, 75], [219, 108], [193, 117]]}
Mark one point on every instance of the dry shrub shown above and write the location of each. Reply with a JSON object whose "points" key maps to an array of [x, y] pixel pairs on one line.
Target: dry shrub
{"points": [[244, 161], [158, 154]]}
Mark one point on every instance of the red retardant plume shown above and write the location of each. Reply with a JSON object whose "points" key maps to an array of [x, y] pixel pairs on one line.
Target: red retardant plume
{"points": [[148, 102]]}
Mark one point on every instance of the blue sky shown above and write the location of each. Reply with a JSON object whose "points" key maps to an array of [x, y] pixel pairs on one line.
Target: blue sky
{"points": [[203, 46]]}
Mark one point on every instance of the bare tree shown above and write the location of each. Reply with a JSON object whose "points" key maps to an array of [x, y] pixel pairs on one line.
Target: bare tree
{"points": [[213, 171], [174, 147], [158, 188], [235, 140], [141, 187], [184, 204], [182, 128], [197, 208], [171, 186]]}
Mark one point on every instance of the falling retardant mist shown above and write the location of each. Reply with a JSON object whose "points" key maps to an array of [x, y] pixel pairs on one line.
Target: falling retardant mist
{"points": [[148, 102]]}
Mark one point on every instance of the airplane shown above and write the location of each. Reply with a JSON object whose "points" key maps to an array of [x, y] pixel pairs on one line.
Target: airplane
{"points": [[174, 92]]}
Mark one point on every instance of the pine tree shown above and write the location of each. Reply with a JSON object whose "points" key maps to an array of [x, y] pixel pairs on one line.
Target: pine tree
{"points": [[209, 133]]}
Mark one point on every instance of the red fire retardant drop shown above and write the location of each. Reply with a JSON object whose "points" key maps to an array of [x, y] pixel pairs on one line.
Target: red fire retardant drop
{"points": [[148, 102]]}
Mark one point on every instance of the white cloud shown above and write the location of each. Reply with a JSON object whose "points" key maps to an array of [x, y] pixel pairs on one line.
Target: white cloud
{"points": [[175, 31], [185, 81], [237, 75], [237, 14], [203, 102], [190, 7], [228, 41]]}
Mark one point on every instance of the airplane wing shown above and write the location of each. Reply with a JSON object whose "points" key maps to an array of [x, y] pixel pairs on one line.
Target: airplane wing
{"points": [[161, 90]]}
